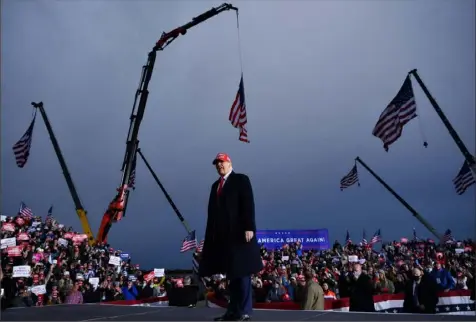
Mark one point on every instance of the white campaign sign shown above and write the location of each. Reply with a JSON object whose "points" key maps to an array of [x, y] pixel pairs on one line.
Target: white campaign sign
{"points": [[159, 272], [8, 242], [353, 258], [62, 242], [21, 271], [114, 260], [38, 289]]}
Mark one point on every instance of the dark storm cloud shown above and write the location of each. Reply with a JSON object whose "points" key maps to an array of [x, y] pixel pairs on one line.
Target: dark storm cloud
{"points": [[317, 75]]}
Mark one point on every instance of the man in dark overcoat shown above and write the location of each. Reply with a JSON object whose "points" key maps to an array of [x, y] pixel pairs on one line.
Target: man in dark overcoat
{"points": [[231, 246]]}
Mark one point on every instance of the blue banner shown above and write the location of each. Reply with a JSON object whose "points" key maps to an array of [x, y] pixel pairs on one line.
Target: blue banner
{"points": [[317, 239], [125, 256]]}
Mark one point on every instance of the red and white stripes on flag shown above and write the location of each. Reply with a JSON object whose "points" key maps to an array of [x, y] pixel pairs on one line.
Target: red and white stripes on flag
{"points": [[350, 178], [464, 179], [237, 115], [21, 149], [400, 111], [200, 246], [25, 211]]}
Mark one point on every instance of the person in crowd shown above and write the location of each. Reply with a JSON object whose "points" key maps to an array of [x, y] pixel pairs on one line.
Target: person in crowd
{"points": [[230, 245], [361, 291], [382, 285], [313, 294], [421, 294], [74, 296], [328, 293], [129, 290], [442, 277]]}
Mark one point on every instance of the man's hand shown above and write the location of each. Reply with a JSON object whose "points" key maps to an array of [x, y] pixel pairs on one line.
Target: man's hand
{"points": [[422, 307], [248, 236]]}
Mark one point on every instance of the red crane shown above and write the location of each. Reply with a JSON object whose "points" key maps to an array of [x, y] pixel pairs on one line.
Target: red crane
{"points": [[117, 206]]}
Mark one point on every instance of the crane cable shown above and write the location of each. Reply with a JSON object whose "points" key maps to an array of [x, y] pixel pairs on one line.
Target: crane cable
{"points": [[239, 43]]}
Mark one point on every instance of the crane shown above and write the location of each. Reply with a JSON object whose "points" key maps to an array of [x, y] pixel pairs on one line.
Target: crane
{"points": [[116, 208], [83, 218]]}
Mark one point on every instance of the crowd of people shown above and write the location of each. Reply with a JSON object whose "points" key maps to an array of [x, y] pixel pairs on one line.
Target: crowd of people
{"points": [[287, 270], [46, 263]]}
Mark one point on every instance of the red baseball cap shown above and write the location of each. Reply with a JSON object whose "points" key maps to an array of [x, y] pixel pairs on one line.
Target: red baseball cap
{"points": [[222, 157]]}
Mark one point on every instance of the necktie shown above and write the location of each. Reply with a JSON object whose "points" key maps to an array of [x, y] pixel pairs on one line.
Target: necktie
{"points": [[220, 186]]}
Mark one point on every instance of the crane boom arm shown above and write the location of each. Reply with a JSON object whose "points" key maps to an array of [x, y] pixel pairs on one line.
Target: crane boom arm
{"points": [[117, 206], [69, 181]]}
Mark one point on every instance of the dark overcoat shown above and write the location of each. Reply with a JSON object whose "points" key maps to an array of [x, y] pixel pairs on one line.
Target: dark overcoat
{"points": [[229, 215], [361, 294], [427, 296]]}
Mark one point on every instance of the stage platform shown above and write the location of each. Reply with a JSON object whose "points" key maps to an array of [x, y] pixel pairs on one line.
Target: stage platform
{"points": [[95, 312]]}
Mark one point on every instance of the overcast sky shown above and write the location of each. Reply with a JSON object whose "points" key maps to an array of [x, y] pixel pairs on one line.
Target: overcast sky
{"points": [[317, 76]]}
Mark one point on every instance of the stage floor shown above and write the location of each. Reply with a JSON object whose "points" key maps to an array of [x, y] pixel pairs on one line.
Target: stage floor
{"points": [[95, 312]]}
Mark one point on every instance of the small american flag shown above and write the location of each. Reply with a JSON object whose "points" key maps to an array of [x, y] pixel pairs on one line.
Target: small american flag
{"points": [[50, 211], [415, 237], [400, 111], [189, 243], [132, 176], [237, 115], [364, 239], [350, 179], [21, 149], [25, 211], [376, 238], [464, 179], [200, 246], [447, 237], [348, 241]]}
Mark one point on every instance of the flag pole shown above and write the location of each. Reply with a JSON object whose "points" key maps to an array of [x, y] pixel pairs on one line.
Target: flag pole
{"points": [[167, 196], [402, 201], [467, 155]]}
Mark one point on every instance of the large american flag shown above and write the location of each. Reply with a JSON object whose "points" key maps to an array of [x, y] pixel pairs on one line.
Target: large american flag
{"points": [[350, 179], [25, 211], [189, 243], [364, 239], [376, 238], [237, 115], [132, 176], [399, 112], [464, 179], [21, 149], [447, 237]]}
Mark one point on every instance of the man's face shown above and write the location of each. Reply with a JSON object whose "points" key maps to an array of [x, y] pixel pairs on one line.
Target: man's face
{"points": [[223, 167]]}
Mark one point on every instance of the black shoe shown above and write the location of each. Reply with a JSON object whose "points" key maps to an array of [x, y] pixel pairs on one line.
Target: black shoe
{"points": [[225, 317], [244, 317]]}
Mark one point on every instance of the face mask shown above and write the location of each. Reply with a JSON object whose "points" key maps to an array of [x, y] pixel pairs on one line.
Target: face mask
{"points": [[416, 278]]}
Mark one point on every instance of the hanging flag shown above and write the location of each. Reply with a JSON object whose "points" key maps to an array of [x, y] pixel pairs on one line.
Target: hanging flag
{"points": [[400, 111], [21, 149], [415, 238], [190, 242], [348, 241], [364, 239], [350, 179], [200, 246], [447, 237], [464, 179], [25, 211], [237, 115], [132, 177], [376, 238]]}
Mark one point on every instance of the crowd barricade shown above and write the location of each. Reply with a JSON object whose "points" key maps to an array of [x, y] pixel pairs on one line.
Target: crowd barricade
{"points": [[153, 301], [453, 302]]}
